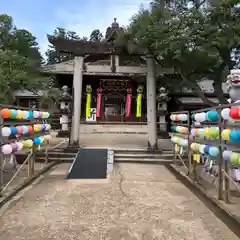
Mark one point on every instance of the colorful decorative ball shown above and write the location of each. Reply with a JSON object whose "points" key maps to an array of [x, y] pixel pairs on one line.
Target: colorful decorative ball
{"points": [[234, 113], [234, 136], [201, 148], [182, 117], [6, 149], [6, 131], [48, 115], [25, 114], [214, 132], [201, 132], [41, 139], [14, 147], [200, 117], [30, 115], [225, 113], [226, 134], [19, 130], [27, 143], [19, 146], [25, 130], [226, 155], [13, 131], [234, 158], [19, 114], [30, 129], [35, 114], [212, 115], [213, 151], [206, 149], [206, 132], [37, 141], [5, 113], [13, 114], [36, 128]]}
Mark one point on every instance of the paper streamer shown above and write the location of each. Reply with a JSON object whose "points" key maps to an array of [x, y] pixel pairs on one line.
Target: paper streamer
{"points": [[88, 100], [139, 105], [128, 103], [99, 100]]}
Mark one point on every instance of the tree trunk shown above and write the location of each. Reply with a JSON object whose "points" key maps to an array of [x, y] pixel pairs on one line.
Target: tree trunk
{"points": [[194, 86], [218, 91]]}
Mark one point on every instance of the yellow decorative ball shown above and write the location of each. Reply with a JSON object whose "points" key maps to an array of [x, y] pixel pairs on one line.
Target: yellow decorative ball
{"points": [[226, 134]]}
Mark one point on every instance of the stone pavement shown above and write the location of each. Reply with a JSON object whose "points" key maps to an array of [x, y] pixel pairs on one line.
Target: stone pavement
{"points": [[131, 141], [138, 202]]}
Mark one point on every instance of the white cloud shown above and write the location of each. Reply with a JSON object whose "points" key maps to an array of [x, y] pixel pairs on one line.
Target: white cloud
{"points": [[94, 16], [102, 17]]}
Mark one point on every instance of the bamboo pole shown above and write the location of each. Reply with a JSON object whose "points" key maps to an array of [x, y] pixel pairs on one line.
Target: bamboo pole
{"points": [[220, 158], [1, 158]]}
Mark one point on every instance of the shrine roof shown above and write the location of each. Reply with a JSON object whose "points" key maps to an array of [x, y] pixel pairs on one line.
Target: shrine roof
{"points": [[83, 47]]}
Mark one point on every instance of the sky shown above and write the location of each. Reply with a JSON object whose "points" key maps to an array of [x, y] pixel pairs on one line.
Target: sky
{"points": [[41, 17]]}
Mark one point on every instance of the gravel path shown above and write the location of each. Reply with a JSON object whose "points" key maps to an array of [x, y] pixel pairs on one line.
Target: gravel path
{"points": [[137, 202]]}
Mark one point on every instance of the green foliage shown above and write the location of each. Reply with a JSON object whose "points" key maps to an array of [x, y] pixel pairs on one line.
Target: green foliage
{"points": [[55, 57], [20, 60], [96, 36], [197, 41]]}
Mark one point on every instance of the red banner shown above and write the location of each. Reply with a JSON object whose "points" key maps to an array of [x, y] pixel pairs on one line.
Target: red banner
{"points": [[99, 99], [128, 103]]}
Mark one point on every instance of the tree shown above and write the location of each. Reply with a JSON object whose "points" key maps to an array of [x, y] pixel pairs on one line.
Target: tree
{"points": [[19, 61], [96, 36], [197, 42], [55, 57]]}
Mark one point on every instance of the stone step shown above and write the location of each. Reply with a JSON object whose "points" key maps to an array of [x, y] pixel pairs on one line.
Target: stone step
{"points": [[53, 159], [57, 154], [141, 151], [143, 160], [143, 155], [64, 150]]}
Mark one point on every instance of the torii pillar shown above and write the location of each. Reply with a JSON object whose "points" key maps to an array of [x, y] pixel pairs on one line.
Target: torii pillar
{"points": [[77, 99], [151, 103]]}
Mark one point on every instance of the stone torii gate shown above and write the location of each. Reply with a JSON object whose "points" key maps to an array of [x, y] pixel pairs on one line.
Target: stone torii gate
{"points": [[81, 49]]}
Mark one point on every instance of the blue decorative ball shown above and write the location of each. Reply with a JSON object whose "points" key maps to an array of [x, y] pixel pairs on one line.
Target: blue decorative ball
{"points": [[213, 151], [37, 141], [212, 115], [235, 136], [206, 149], [13, 131], [30, 115]]}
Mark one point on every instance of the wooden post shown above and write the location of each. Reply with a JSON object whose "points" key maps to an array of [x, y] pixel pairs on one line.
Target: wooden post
{"points": [[189, 143], [174, 155], [220, 159], [1, 158]]}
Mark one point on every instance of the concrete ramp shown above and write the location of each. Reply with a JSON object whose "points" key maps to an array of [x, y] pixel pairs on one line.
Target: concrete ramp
{"points": [[89, 163]]}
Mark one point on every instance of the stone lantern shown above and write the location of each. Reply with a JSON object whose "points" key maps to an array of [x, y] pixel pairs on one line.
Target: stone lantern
{"points": [[65, 109], [162, 99]]}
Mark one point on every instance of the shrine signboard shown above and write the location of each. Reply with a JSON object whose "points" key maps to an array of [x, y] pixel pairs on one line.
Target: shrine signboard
{"points": [[114, 84]]}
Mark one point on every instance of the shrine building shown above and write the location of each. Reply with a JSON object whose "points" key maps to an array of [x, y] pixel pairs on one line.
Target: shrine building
{"points": [[109, 85]]}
